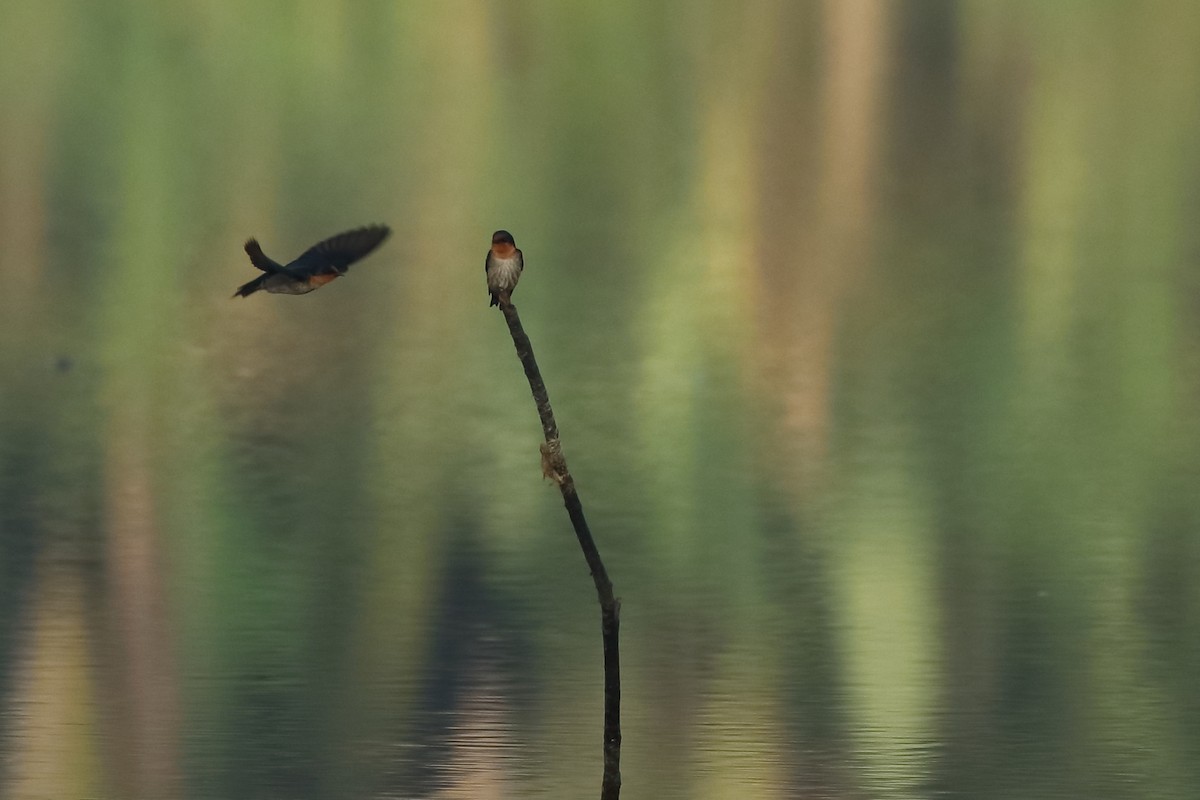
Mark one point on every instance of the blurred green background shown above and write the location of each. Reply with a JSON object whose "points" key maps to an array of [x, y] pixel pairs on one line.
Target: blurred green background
{"points": [[873, 331]]}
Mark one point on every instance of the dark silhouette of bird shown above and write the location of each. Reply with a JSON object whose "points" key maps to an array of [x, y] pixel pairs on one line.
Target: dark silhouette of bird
{"points": [[503, 267], [317, 266]]}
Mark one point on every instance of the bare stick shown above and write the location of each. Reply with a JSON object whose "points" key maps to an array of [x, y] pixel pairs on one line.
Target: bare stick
{"points": [[554, 466]]}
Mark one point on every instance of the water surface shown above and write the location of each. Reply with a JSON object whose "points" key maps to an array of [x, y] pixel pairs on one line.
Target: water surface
{"points": [[872, 333]]}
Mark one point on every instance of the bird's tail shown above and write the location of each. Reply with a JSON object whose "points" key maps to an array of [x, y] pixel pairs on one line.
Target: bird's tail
{"points": [[247, 289]]}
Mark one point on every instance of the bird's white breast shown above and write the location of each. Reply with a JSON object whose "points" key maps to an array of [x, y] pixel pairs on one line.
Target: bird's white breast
{"points": [[504, 273]]}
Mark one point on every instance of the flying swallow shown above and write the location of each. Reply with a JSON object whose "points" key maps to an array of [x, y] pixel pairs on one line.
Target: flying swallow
{"points": [[503, 267], [317, 266]]}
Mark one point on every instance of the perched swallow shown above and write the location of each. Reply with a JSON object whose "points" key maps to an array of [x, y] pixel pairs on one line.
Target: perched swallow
{"points": [[503, 267], [318, 265]]}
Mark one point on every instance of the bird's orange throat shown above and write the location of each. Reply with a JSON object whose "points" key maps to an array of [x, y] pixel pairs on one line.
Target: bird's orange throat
{"points": [[503, 250], [320, 280]]}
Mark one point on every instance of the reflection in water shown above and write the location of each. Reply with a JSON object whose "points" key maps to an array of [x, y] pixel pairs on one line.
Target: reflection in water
{"points": [[53, 744], [868, 327]]}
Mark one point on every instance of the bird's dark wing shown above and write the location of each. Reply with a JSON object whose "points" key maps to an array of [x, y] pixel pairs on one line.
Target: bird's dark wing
{"points": [[260, 259], [268, 265], [337, 253]]}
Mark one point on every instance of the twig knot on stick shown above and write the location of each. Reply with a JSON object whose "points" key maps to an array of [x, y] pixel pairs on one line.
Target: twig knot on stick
{"points": [[554, 466]]}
